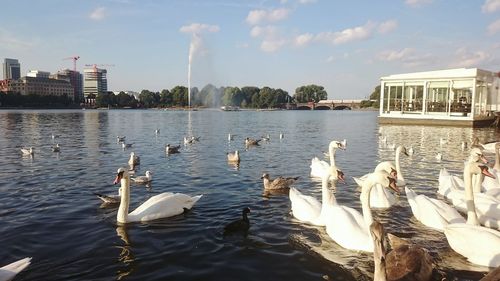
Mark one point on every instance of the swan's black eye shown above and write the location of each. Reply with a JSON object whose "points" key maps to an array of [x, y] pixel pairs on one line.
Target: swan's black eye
{"points": [[120, 174]]}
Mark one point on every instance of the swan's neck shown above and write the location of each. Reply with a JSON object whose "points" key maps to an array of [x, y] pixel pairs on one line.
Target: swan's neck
{"points": [[379, 273], [398, 168], [469, 197], [365, 201], [327, 197], [331, 151], [477, 181], [497, 159], [122, 214]]}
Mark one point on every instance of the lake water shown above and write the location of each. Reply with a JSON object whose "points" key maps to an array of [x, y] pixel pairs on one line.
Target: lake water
{"points": [[48, 210]]}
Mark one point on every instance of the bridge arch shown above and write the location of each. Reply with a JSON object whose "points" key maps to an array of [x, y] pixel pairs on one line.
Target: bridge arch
{"points": [[342, 107]]}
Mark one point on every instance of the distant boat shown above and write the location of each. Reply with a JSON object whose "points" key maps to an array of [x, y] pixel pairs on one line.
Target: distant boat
{"points": [[229, 108]]}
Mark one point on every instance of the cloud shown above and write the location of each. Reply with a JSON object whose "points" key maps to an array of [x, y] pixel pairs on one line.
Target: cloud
{"points": [[197, 28], [387, 26], [98, 14], [307, 1], [392, 55], [464, 58], [256, 17], [272, 45], [272, 39], [417, 3], [269, 31], [491, 6], [494, 27], [303, 39], [407, 57], [347, 35]]}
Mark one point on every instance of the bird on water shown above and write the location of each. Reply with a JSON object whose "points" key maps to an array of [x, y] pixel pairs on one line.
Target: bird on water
{"points": [[240, 225]]}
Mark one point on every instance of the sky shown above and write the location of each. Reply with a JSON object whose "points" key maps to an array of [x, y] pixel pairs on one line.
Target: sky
{"points": [[344, 46]]}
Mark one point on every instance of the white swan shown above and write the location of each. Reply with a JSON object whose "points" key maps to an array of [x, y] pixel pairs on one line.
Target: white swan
{"points": [[432, 212], [487, 207], [163, 205], [319, 167], [307, 208], [490, 147], [144, 179], [10, 271], [134, 159], [492, 186], [347, 226], [480, 245]]}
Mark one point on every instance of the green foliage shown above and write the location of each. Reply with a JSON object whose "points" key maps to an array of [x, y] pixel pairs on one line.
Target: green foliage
{"points": [[12, 99], [310, 93], [374, 99]]}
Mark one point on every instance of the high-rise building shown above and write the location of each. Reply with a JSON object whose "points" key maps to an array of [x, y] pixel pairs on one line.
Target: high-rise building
{"points": [[76, 80], [95, 83], [38, 74], [11, 69]]}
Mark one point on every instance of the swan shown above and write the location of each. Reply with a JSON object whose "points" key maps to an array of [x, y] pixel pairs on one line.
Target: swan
{"points": [[383, 165], [134, 159], [403, 262], [490, 146], [432, 212], [492, 186], [233, 157], [486, 206], [8, 272], [144, 179], [240, 225], [163, 205], [27, 151], [319, 167], [307, 208], [277, 183], [347, 226], [480, 245]]}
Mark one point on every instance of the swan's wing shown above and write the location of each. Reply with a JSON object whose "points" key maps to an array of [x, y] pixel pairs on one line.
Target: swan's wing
{"points": [[151, 201], [319, 167], [347, 228], [447, 212], [304, 208], [359, 181], [9, 271], [163, 206]]}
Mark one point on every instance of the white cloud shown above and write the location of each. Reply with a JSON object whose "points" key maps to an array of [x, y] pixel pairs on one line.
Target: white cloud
{"points": [[256, 17], [303, 39], [197, 28], [407, 57], [272, 45], [98, 14], [494, 27], [269, 31], [307, 1], [387, 26], [392, 55], [417, 3], [491, 6], [468, 59], [347, 35]]}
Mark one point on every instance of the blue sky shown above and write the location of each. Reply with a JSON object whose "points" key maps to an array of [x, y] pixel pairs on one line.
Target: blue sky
{"points": [[345, 46]]}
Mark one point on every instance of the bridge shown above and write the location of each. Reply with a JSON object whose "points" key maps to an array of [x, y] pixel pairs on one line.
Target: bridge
{"points": [[330, 105]]}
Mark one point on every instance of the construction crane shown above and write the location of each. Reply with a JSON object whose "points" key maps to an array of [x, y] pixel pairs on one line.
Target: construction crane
{"points": [[74, 58]]}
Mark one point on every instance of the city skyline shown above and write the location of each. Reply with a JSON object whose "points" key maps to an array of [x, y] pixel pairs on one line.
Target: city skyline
{"points": [[345, 47]]}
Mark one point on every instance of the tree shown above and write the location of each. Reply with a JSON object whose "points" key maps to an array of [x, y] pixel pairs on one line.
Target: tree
{"points": [[309, 93], [148, 99], [179, 96], [374, 99], [247, 93], [166, 98]]}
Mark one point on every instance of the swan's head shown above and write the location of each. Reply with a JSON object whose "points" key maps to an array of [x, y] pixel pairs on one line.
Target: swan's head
{"points": [[384, 179], [120, 174], [477, 169], [477, 155], [402, 149], [246, 210], [338, 144], [340, 176], [149, 174], [265, 176], [132, 154]]}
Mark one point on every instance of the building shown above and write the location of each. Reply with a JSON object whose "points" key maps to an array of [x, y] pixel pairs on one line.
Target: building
{"points": [[95, 82], [11, 69], [38, 74], [76, 80], [457, 97], [41, 86]]}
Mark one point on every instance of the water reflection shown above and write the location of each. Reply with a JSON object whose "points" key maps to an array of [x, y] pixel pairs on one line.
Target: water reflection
{"points": [[126, 256]]}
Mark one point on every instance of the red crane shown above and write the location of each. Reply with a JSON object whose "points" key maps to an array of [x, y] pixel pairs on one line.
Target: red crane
{"points": [[74, 58]]}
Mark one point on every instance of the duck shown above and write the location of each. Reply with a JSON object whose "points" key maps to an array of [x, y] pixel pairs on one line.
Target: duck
{"points": [[188, 140], [308, 209], [9, 272], [56, 148], [230, 137], [319, 167], [171, 149], [27, 151], [432, 212], [249, 141], [127, 145], [233, 157], [482, 243], [110, 199], [120, 138], [277, 183], [157, 131], [144, 179], [406, 261], [240, 225], [134, 159], [163, 205], [266, 138], [348, 227]]}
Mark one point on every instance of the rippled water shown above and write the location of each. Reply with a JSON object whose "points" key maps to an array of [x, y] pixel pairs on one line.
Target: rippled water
{"points": [[48, 209]]}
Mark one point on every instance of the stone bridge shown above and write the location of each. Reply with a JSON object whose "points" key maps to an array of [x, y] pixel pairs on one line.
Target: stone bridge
{"points": [[330, 105]]}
